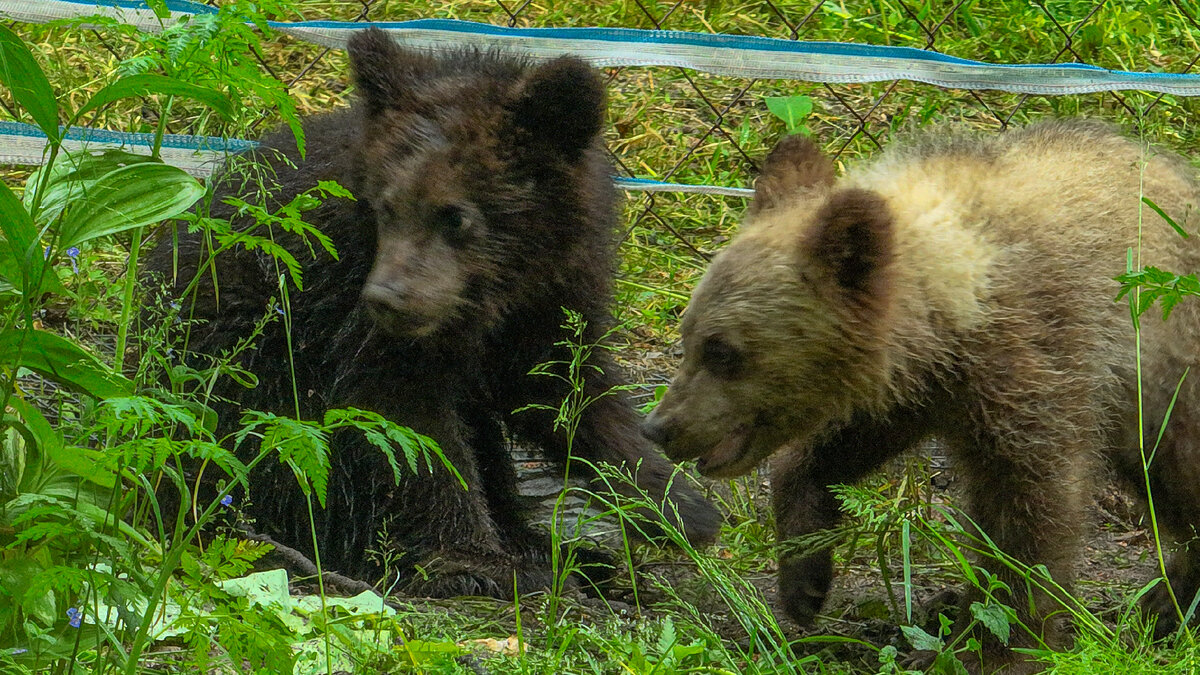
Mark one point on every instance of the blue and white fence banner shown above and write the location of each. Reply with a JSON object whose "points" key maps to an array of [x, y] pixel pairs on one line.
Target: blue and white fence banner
{"points": [[131, 12], [201, 156], [729, 55], [649, 185], [732, 55]]}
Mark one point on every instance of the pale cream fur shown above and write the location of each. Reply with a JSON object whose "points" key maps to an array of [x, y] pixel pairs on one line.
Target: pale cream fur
{"points": [[959, 287]]}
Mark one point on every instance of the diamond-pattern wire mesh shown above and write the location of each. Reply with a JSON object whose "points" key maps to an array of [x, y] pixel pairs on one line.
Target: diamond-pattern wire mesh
{"points": [[858, 119], [676, 125]]}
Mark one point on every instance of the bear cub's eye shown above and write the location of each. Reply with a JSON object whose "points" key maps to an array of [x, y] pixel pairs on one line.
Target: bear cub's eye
{"points": [[721, 358], [454, 222]]}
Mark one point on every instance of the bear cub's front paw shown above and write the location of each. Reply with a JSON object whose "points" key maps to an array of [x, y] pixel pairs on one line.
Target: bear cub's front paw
{"points": [[803, 585]]}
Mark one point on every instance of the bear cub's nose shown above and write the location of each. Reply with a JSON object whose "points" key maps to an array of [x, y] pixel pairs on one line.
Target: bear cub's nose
{"points": [[380, 300], [387, 307]]}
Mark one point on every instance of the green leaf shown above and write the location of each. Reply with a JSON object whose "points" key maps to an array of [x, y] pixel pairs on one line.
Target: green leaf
{"points": [[921, 640], [39, 437], [19, 455], [222, 458], [24, 77], [71, 177], [62, 361], [128, 197], [667, 638], [332, 188], [948, 664], [303, 446], [83, 462], [681, 652], [1183, 233], [21, 235], [16, 575], [793, 110], [424, 652], [160, 8], [993, 618], [151, 83]]}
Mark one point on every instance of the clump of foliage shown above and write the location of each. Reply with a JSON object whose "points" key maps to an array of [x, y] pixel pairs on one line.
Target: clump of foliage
{"points": [[90, 569]]}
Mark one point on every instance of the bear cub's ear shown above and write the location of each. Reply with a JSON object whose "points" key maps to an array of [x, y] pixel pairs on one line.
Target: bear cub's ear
{"points": [[561, 106], [382, 69], [794, 164], [852, 238]]}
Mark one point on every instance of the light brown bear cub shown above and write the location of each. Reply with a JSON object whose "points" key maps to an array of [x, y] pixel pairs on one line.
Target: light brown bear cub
{"points": [[958, 287]]}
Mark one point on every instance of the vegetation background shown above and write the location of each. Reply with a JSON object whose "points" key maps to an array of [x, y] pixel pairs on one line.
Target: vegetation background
{"points": [[91, 582]]}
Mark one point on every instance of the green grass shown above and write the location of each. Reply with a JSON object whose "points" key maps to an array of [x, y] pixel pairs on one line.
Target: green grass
{"points": [[708, 611]]}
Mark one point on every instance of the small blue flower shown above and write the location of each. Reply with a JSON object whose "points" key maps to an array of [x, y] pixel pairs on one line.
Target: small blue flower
{"points": [[46, 253], [174, 305], [18, 650], [74, 617], [73, 253], [278, 310], [226, 500]]}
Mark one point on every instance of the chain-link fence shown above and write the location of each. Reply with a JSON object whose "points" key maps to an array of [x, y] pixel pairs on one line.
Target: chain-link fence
{"points": [[678, 125]]}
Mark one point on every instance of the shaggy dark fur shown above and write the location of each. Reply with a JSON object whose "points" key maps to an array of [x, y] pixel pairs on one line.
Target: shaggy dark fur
{"points": [[484, 206]]}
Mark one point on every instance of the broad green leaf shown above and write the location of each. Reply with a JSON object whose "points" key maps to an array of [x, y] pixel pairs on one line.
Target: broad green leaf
{"points": [[16, 575], [24, 77], [83, 462], [793, 110], [150, 83], [921, 640], [268, 589], [426, 652], [993, 618], [73, 175], [129, 197], [20, 235], [62, 361]]}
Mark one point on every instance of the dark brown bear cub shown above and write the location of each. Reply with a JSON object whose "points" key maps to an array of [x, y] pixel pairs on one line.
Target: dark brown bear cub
{"points": [[484, 206], [958, 287]]}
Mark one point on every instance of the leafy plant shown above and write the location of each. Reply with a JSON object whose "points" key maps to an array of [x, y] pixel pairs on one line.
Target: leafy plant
{"points": [[793, 110]]}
